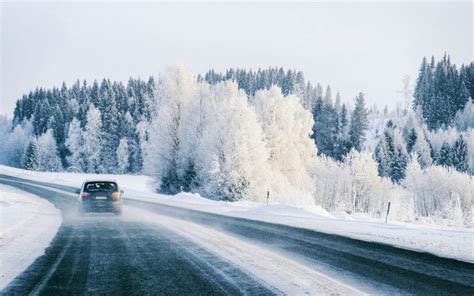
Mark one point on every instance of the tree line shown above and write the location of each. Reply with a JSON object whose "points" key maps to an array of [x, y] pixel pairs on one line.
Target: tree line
{"points": [[442, 91], [123, 109]]}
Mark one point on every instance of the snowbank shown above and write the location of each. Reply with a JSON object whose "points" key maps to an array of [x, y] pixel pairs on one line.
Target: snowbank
{"points": [[27, 226]]}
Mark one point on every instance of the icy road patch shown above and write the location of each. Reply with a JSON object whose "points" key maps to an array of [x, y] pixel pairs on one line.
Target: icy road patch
{"points": [[27, 226]]}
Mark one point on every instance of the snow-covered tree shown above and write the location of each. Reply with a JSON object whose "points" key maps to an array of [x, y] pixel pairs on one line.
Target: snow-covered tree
{"points": [[391, 153], [75, 145], [366, 186], [287, 127], [352, 185], [233, 158], [176, 90], [93, 138], [15, 144], [123, 156], [359, 123], [464, 118], [110, 115], [331, 180], [459, 155], [440, 193], [48, 153], [445, 157], [30, 157]]}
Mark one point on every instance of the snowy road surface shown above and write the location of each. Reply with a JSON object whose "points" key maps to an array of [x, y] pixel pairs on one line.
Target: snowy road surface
{"points": [[156, 249]]}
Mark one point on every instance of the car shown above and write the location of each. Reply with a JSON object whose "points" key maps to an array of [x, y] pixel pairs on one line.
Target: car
{"points": [[100, 196]]}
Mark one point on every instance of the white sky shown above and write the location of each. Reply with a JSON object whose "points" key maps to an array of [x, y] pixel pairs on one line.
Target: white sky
{"points": [[361, 46]]}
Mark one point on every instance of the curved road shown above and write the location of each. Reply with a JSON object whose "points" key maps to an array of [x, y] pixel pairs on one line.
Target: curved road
{"points": [[106, 255]]}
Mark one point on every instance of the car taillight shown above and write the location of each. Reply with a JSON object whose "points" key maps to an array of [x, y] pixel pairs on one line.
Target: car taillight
{"points": [[85, 195], [116, 195]]}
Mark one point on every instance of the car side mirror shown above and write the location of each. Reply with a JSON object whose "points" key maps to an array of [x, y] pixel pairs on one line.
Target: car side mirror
{"points": [[121, 191], [78, 191]]}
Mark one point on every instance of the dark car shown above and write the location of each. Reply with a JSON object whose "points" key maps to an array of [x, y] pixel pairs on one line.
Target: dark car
{"points": [[100, 196]]}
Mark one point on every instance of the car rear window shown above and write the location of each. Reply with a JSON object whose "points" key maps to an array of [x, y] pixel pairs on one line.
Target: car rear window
{"points": [[100, 186]]}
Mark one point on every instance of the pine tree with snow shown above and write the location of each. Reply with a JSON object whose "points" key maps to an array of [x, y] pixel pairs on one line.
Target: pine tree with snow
{"points": [[110, 127], [445, 157], [459, 155], [397, 164], [338, 104], [342, 143], [30, 158], [359, 123], [410, 139], [391, 154]]}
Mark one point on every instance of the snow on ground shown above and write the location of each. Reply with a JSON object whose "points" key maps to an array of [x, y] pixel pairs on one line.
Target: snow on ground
{"points": [[27, 226], [443, 241]]}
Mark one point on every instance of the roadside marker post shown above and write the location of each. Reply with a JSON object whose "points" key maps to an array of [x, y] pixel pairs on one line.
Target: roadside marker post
{"points": [[388, 211]]}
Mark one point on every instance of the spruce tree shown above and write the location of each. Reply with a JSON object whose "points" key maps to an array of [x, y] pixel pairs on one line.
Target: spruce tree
{"points": [[30, 157], [460, 155], [411, 138], [445, 157], [359, 124]]}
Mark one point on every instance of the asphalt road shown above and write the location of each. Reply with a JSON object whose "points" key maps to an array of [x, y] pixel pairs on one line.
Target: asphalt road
{"points": [[106, 255]]}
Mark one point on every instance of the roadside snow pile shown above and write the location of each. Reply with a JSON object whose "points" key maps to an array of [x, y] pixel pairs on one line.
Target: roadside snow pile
{"points": [[27, 226], [139, 183]]}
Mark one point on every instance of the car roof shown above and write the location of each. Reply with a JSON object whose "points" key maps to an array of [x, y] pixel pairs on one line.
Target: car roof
{"points": [[99, 180]]}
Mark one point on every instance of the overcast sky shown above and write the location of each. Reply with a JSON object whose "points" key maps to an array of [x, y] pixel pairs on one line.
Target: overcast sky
{"points": [[353, 47]]}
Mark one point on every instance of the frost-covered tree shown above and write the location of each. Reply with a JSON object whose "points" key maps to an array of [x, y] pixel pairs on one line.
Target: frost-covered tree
{"points": [[123, 156], [331, 179], [445, 157], [177, 89], [359, 123], [391, 153], [460, 155], [75, 145], [233, 158], [48, 153], [15, 144], [287, 127], [440, 193], [343, 145], [365, 183], [93, 139], [464, 118], [30, 158], [110, 115], [352, 185]]}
